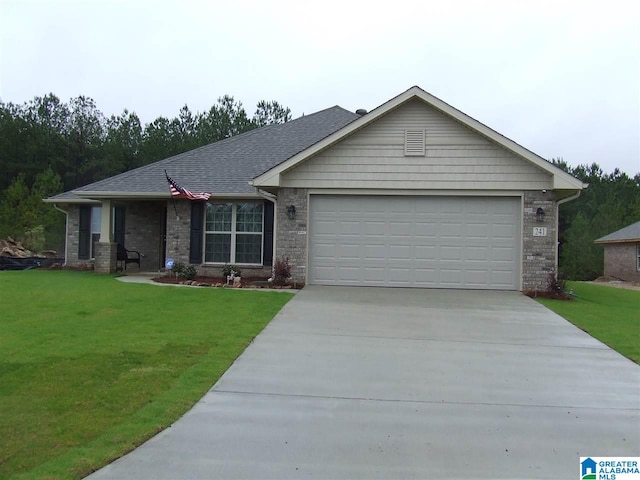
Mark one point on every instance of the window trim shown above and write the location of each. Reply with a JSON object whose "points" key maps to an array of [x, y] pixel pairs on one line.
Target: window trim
{"points": [[92, 244], [233, 232]]}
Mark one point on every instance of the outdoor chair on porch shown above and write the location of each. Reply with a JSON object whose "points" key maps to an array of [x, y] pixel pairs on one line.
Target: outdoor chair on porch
{"points": [[125, 256]]}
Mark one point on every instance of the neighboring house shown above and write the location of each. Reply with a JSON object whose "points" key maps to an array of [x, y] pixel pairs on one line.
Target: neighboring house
{"points": [[622, 253], [412, 194]]}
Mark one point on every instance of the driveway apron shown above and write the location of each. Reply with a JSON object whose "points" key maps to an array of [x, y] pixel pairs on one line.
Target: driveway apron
{"points": [[357, 382]]}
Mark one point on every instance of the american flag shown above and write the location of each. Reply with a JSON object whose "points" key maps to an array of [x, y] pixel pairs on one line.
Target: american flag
{"points": [[181, 192]]}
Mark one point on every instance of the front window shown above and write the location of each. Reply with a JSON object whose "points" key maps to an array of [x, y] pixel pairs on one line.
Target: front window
{"points": [[233, 233], [638, 252], [96, 220]]}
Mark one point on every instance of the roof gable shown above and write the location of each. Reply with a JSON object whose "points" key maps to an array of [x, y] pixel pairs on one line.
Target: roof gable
{"points": [[452, 157], [561, 179]]}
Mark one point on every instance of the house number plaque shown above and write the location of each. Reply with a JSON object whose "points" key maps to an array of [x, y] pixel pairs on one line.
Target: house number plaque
{"points": [[539, 231]]}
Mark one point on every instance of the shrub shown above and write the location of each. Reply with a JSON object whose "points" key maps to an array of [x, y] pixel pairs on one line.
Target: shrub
{"points": [[555, 284], [229, 269], [281, 271], [188, 272]]}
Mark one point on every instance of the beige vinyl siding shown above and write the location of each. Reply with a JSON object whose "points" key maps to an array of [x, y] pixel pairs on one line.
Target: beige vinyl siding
{"points": [[455, 158]]}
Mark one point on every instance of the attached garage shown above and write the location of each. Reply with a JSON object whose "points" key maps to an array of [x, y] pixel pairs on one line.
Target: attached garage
{"points": [[470, 242], [417, 194]]}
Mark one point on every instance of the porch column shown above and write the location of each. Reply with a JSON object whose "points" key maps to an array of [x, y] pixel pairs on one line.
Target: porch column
{"points": [[106, 228], [106, 248]]}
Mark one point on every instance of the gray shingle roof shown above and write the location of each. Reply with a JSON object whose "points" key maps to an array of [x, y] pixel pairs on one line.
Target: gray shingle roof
{"points": [[630, 233], [226, 166]]}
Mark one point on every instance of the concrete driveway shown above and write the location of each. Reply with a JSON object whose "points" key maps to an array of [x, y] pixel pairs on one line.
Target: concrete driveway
{"points": [[350, 383]]}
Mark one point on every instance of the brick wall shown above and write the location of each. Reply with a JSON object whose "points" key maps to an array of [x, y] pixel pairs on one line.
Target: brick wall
{"points": [[143, 223], [621, 261], [291, 237], [538, 253]]}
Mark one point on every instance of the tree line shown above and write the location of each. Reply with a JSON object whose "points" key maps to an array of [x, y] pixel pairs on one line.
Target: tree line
{"points": [[609, 203], [48, 146]]}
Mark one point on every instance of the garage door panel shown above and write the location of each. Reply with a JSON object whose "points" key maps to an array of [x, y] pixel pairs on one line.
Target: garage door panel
{"points": [[503, 254], [424, 252], [451, 278], [451, 230], [376, 229], [448, 253], [325, 227], [400, 252], [501, 231], [502, 278], [426, 229], [480, 254], [348, 252], [477, 230], [425, 275], [349, 227], [372, 252], [438, 242], [477, 278]]}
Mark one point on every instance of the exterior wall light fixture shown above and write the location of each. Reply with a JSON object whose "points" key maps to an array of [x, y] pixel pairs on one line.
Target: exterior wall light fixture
{"points": [[540, 214], [291, 212]]}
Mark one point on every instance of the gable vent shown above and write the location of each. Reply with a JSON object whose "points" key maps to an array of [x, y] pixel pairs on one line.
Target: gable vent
{"points": [[414, 143]]}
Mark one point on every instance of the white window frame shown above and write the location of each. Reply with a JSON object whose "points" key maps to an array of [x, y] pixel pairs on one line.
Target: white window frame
{"points": [[92, 244], [233, 233]]}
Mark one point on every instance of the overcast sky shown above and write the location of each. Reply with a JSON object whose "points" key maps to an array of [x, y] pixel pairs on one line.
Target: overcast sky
{"points": [[561, 78]]}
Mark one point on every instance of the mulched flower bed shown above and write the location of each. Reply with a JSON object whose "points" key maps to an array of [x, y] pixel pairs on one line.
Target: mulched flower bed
{"points": [[246, 282], [546, 294]]}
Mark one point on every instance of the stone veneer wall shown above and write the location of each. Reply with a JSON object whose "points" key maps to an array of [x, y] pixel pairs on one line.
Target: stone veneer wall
{"points": [[538, 253], [621, 261], [106, 254], [73, 228], [291, 237], [178, 230]]}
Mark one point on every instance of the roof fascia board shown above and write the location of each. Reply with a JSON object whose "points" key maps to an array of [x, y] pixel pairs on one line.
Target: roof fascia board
{"points": [[561, 179], [149, 195], [69, 200], [624, 240]]}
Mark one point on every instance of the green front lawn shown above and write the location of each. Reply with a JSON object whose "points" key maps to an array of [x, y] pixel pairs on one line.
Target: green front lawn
{"points": [[91, 367], [612, 315]]}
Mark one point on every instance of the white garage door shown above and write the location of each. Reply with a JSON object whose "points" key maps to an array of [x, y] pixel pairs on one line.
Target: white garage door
{"points": [[435, 242]]}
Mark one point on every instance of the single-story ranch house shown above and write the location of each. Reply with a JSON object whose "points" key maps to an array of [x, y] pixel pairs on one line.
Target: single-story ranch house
{"points": [[622, 253], [412, 194]]}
